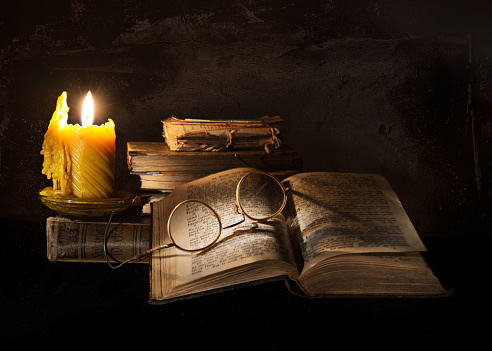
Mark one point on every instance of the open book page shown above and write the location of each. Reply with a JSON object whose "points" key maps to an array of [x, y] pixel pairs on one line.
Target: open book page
{"points": [[339, 213], [241, 245], [392, 274]]}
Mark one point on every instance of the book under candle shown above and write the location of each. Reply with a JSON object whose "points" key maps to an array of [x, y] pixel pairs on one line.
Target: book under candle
{"points": [[82, 240]]}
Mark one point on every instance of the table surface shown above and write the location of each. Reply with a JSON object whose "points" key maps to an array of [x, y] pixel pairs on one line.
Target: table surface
{"points": [[89, 304]]}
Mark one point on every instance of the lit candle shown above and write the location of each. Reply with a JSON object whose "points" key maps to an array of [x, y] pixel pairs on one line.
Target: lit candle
{"points": [[79, 159]]}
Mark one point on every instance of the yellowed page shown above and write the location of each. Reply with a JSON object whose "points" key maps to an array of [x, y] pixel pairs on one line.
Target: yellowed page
{"points": [[244, 243], [337, 213]]}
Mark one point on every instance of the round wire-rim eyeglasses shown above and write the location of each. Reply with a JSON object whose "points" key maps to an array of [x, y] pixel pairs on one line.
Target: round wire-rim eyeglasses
{"points": [[239, 208]]}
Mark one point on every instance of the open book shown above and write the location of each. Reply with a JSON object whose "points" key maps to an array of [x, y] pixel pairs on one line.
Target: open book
{"points": [[339, 235]]}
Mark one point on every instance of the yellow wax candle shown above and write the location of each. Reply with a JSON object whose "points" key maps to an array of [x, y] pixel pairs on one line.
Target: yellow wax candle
{"points": [[79, 159]]}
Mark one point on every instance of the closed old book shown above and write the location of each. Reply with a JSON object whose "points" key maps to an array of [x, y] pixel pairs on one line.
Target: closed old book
{"points": [[339, 235], [143, 157], [83, 241], [166, 182], [161, 169], [219, 135]]}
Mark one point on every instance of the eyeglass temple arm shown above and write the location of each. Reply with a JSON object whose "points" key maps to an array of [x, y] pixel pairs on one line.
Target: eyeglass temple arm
{"points": [[138, 257], [241, 159], [236, 211], [286, 189]]}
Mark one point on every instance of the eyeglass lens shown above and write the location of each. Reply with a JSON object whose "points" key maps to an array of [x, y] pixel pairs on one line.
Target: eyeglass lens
{"points": [[260, 196], [194, 226]]}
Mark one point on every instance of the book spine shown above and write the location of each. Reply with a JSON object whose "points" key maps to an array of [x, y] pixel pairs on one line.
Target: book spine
{"points": [[220, 161], [81, 241]]}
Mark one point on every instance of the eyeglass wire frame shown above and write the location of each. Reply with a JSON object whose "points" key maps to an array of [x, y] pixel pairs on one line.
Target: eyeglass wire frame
{"points": [[238, 209], [214, 213], [238, 197]]}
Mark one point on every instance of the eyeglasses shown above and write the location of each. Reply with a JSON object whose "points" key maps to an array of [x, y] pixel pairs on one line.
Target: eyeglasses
{"points": [[194, 225]]}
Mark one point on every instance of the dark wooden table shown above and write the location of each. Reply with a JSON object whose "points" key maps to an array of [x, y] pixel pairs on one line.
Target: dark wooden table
{"points": [[90, 305]]}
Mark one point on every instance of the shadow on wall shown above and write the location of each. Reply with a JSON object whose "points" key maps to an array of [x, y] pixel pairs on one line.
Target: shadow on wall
{"points": [[361, 88]]}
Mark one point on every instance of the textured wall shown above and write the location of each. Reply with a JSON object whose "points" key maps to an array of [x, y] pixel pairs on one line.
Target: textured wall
{"points": [[363, 86]]}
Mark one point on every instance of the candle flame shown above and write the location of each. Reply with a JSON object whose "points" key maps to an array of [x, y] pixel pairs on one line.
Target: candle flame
{"points": [[88, 111]]}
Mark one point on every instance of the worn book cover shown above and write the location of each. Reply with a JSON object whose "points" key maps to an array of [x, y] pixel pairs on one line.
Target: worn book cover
{"points": [[220, 135], [143, 157]]}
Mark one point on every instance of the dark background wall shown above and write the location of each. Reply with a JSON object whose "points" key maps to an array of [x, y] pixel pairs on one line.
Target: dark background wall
{"points": [[363, 86]]}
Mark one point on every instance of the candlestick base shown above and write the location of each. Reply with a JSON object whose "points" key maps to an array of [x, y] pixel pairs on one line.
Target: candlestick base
{"points": [[80, 207]]}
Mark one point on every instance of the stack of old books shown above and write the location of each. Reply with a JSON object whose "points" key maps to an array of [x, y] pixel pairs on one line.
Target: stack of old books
{"points": [[195, 148]]}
